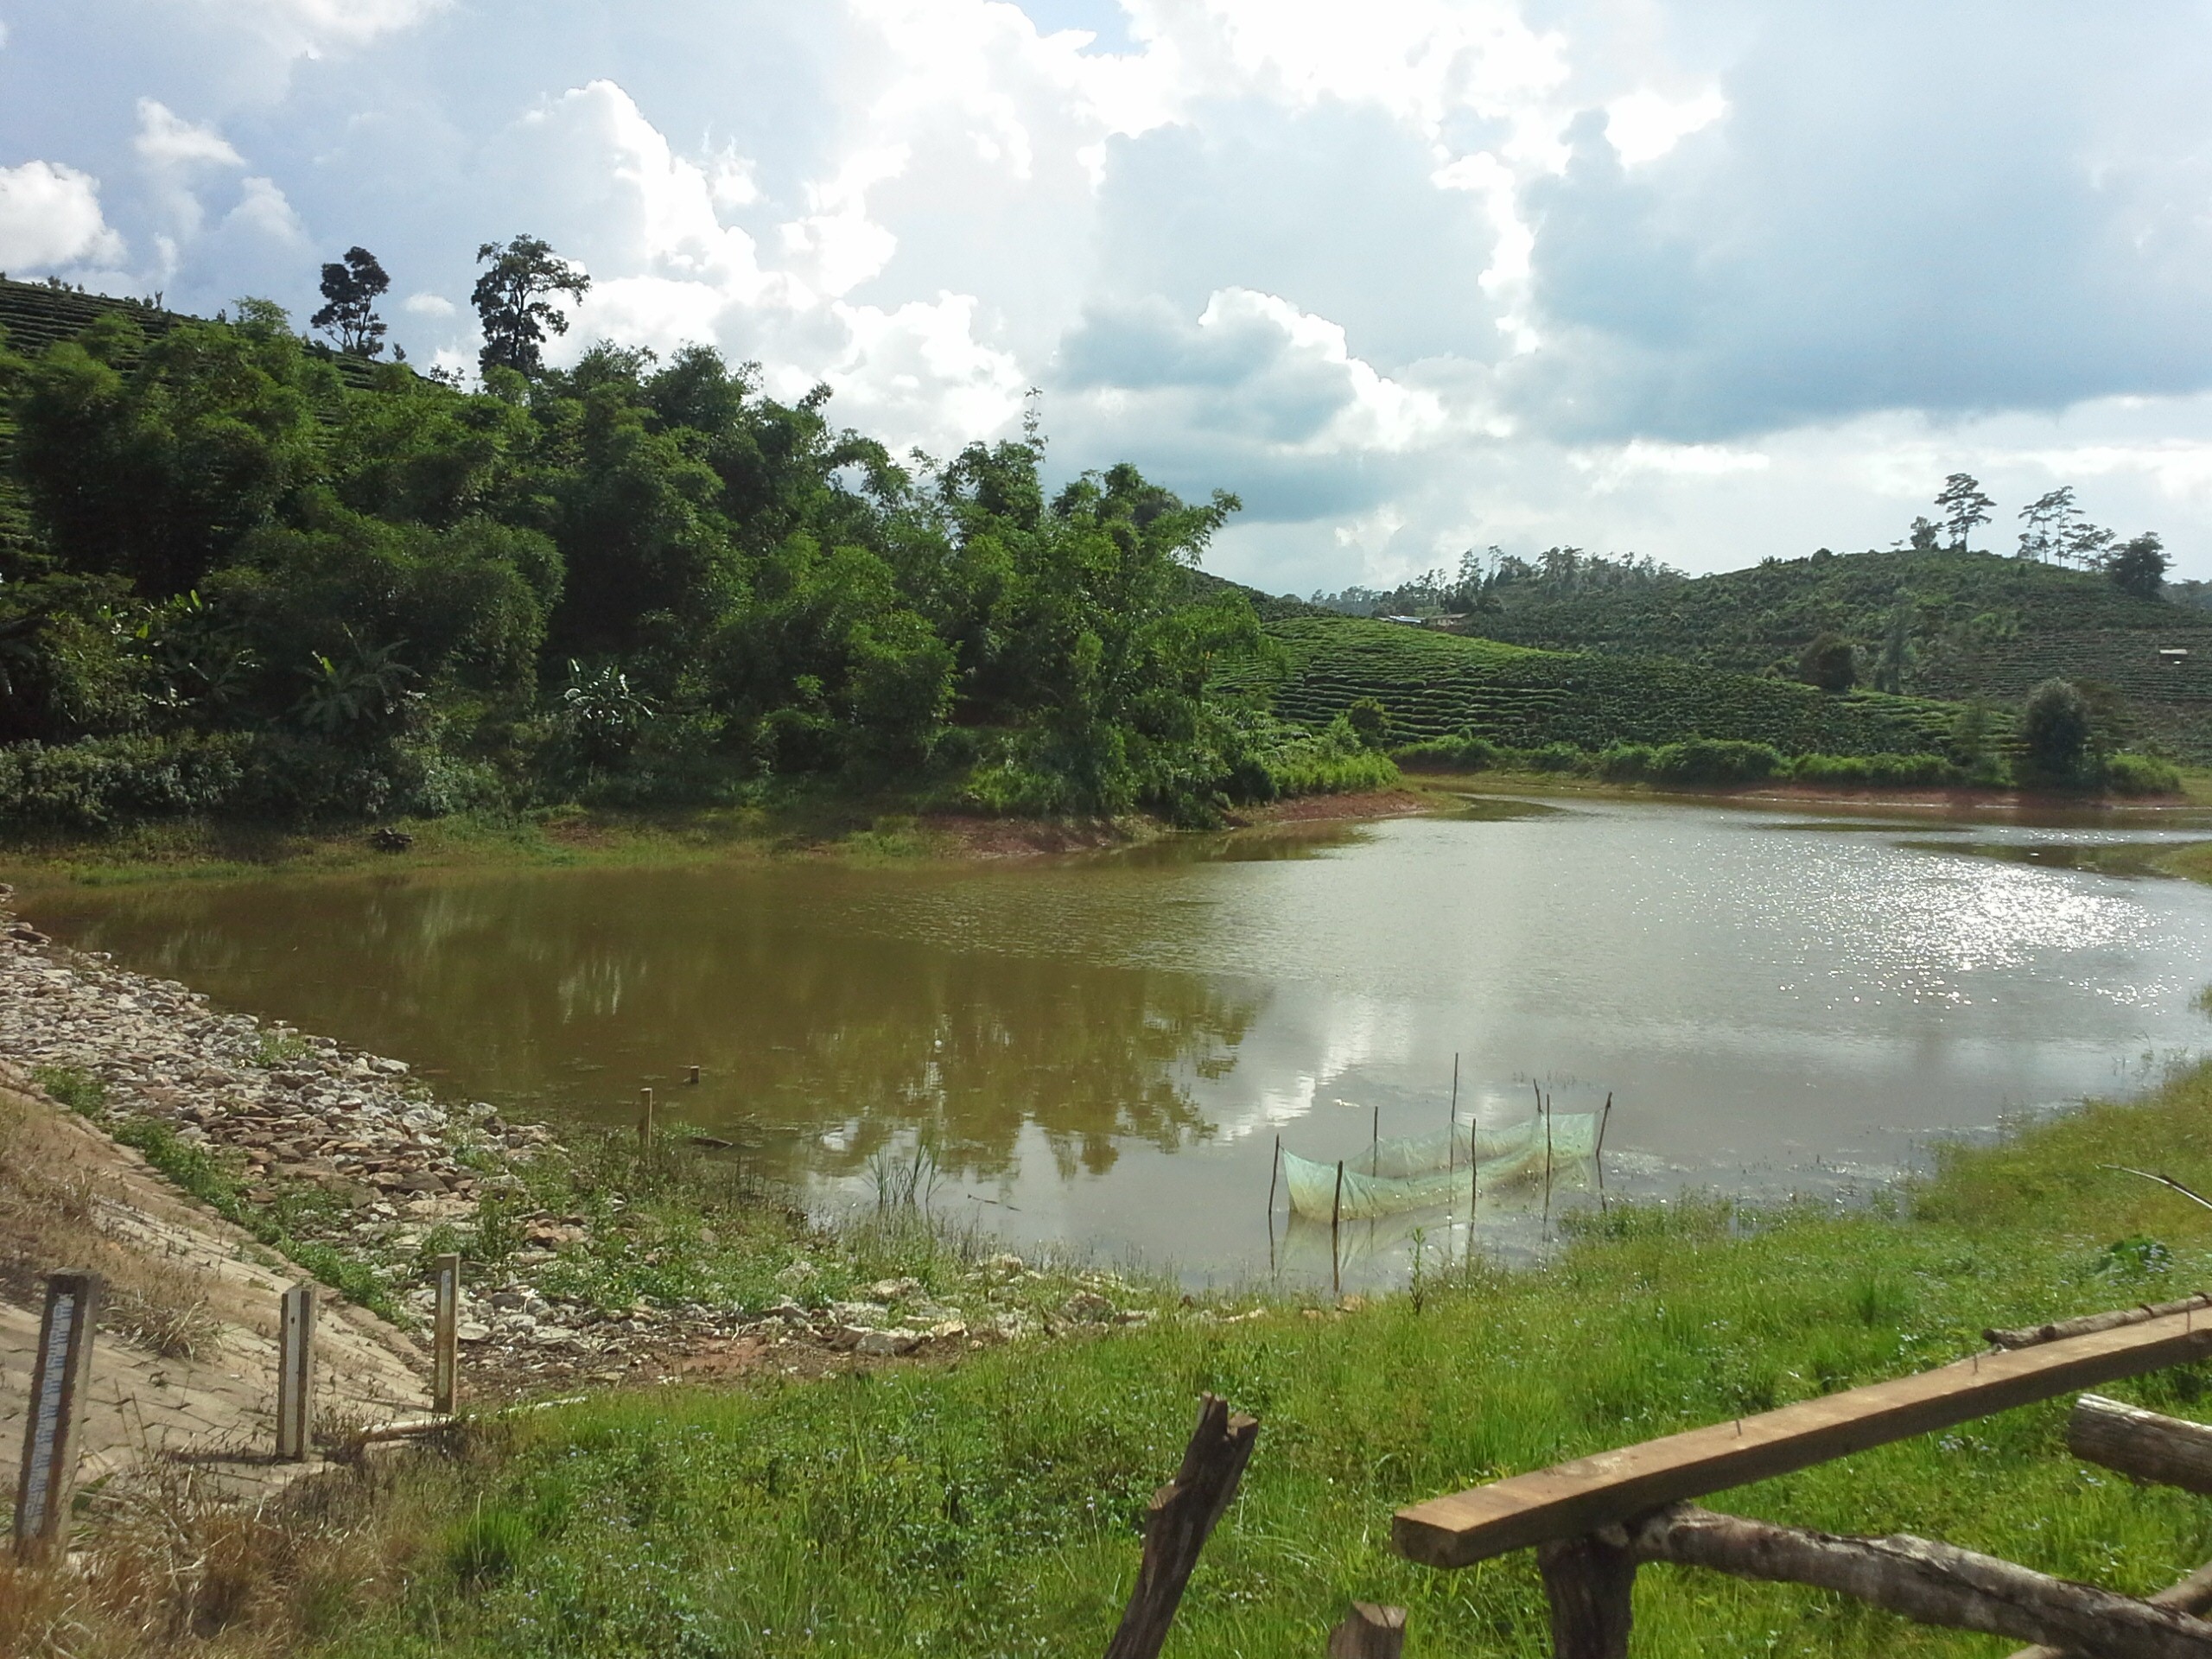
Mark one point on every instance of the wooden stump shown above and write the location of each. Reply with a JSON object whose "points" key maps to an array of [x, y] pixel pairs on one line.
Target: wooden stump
{"points": [[1370, 1632], [1587, 1581], [1182, 1517]]}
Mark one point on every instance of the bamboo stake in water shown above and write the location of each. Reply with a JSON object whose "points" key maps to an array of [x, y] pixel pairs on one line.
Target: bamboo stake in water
{"points": [[1274, 1169], [1336, 1210], [1546, 1101], [1375, 1145], [645, 1118], [1451, 1141], [1598, 1156]]}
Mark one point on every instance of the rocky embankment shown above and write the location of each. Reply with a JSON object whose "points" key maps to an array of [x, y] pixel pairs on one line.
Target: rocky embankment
{"points": [[364, 1160]]}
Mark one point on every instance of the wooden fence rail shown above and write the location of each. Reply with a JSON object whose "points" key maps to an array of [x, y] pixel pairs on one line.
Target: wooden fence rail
{"points": [[1594, 1521]]}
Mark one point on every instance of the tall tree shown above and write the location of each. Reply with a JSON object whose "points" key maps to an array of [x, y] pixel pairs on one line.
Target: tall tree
{"points": [[351, 289], [1964, 507], [2139, 566], [2085, 544], [2048, 517], [514, 300]]}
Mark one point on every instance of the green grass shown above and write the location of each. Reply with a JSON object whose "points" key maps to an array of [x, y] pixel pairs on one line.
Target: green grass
{"points": [[993, 1505], [1434, 684], [282, 1223]]}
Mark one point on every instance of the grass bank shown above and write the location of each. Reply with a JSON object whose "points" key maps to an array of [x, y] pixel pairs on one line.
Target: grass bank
{"points": [[993, 1504]]}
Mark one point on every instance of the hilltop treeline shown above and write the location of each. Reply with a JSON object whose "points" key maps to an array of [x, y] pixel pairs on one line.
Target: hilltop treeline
{"points": [[241, 582]]}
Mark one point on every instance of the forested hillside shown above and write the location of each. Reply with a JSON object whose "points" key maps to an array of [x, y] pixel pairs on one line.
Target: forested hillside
{"points": [[1943, 624], [242, 575]]}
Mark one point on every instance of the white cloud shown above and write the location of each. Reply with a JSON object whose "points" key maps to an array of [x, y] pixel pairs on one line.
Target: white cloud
{"points": [[308, 28], [167, 141], [1702, 281], [263, 210], [1645, 124], [50, 219]]}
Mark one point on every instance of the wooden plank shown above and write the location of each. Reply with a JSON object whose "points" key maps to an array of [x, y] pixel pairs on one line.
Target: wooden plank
{"points": [[1570, 1499]]}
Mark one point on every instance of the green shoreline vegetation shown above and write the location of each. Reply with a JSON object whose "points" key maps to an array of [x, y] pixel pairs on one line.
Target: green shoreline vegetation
{"points": [[994, 1503]]}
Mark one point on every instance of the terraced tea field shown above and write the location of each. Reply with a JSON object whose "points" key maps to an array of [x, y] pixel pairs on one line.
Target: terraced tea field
{"points": [[1434, 683], [1979, 626]]}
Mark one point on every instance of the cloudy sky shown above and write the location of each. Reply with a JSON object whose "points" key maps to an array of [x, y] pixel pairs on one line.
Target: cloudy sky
{"points": [[1708, 280]]}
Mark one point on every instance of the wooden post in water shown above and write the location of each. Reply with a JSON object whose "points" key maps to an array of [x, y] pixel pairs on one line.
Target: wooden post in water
{"points": [[693, 1075], [295, 1375], [1598, 1156], [61, 1377], [1275, 1170], [1548, 1159], [1452, 1141], [445, 1335], [1375, 1145], [644, 1119], [1336, 1212]]}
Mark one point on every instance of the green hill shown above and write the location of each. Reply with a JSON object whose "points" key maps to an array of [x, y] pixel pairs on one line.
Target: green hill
{"points": [[1972, 625], [1433, 683]]}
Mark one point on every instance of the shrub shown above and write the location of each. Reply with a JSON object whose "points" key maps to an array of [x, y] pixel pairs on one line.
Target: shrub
{"points": [[1626, 762], [1715, 760], [1830, 662], [1370, 721], [2055, 730], [103, 781], [1556, 757], [1464, 752], [2141, 774]]}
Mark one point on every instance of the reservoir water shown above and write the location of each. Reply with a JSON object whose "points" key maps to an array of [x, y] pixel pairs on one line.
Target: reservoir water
{"points": [[1102, 1050]]}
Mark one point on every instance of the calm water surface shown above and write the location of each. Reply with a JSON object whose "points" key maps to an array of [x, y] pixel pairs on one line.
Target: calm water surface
{"points": [[1102, 1050]]}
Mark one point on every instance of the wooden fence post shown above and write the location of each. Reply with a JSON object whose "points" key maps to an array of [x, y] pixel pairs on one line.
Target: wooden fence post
{"points": [[60, 1380], [1182, 1517], [1370, 1632], [295, 1375], [1587, 1582], [445, 1352], [644, 1119]]}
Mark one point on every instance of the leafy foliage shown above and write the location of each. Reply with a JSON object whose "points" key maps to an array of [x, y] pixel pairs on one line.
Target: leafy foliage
{"points": [[631, 580]]}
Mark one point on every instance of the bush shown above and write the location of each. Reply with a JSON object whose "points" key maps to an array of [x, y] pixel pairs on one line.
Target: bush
{"points": [[1465, 752], [103, 781], [1370, 721], [1556, 757], [1626, 762], [1715, 760], [1335, 760], [2141, 774], [2055, 730], [1878, 771]]}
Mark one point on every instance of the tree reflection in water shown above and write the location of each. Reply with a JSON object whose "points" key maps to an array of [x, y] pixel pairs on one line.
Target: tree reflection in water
{"points": [[570, 991]]}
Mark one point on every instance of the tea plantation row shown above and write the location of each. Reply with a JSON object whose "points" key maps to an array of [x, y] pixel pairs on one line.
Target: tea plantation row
{"points": [[1434, 684]]}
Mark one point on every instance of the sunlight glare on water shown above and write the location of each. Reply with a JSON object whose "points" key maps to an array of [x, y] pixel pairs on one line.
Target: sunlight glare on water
{"points": [[1103, 1049]]}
